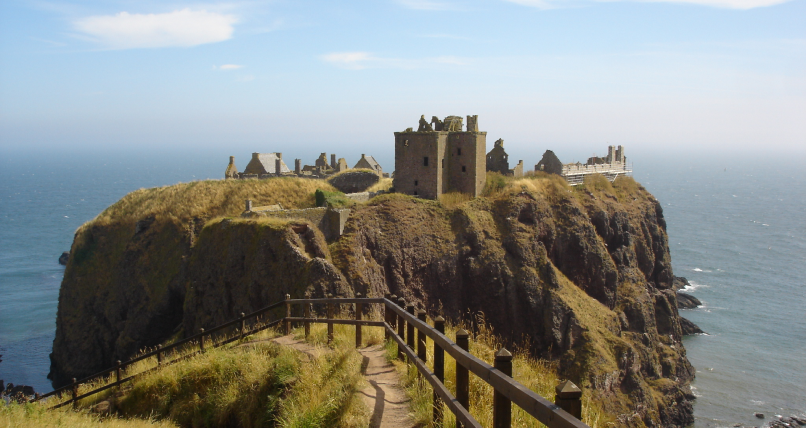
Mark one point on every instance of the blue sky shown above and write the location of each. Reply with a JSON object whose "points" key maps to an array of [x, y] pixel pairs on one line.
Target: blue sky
{"points": [[306, 76]]}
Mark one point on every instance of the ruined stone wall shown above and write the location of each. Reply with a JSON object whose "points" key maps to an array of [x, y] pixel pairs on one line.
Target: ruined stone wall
{"points": [[328, 220], [467, 161], [412, 175]]}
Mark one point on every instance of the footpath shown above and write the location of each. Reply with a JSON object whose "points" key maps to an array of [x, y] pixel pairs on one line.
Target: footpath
{"points": [[383, 394]]}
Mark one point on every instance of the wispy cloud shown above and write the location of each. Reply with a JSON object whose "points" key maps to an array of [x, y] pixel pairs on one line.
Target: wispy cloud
{"points": [[227, 67], [364, 60], [426, 5], [727, 4], [181, 28]]}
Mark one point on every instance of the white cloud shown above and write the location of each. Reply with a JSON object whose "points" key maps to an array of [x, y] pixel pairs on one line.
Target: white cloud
{"points": [[228, 67], [727, 4], [181, 28], [363, 60], [426, 5]]}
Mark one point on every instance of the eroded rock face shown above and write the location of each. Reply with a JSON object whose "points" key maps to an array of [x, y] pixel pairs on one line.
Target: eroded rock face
{"points": [[585, 277], [589, 282], [169, 278]]}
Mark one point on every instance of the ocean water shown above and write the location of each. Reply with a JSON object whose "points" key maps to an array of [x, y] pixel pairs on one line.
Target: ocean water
{"points": [[737, 229]]}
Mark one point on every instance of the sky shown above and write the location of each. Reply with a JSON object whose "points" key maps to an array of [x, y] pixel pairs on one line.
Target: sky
{"points": [[304, 77]]}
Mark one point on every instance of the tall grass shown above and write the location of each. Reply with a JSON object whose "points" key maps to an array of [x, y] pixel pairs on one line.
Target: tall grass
{"points": [[212, 198], [34, 415], [538, 375], [255, 383]]}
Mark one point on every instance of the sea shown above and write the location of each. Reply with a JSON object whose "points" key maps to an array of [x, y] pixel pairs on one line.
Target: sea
{"points": [[736, 225]]}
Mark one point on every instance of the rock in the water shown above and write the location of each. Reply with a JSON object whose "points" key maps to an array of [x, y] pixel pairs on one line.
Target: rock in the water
{"points": [[687, 301], [759, 415], [679, 283], [64, 258], [689, 328]]}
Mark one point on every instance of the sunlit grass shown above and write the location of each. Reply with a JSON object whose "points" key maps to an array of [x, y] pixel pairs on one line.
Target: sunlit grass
{"points": [[538, 375]]}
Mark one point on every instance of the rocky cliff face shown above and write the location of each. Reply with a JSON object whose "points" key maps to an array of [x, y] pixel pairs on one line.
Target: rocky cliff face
{"points": [[583, 274]]}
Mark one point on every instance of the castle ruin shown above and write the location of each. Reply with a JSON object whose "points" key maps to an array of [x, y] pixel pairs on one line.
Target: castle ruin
{"points": [[611, 166], [266, 165], [439, 157], [498, 161]]}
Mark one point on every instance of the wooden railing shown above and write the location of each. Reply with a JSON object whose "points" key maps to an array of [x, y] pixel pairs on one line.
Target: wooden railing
{"points": [[404, 326]]}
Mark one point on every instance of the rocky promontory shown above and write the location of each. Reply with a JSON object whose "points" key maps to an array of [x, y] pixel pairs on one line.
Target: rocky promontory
{"points": [[581, 274]]}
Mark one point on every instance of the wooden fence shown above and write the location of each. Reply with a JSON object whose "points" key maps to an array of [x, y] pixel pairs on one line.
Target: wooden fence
{"points": [[404, 326]]}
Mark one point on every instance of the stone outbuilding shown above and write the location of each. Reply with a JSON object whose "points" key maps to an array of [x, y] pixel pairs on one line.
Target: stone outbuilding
{"points": [[232, 171], [498, 161], [550, 163], [369, 162], [266, 163]]}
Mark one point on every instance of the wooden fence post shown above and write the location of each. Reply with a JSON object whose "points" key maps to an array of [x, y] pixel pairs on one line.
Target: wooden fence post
{"points": [[330, 318], [410, 332], [421, 354], [74, 390], [201, 340], [159, 355], [117, 374], [462, 375], [243, 325], [401, 329], [359, 308], [502, 407], [387, 316], [287, 314], [439, 370], [569, 398], [307, 314]]}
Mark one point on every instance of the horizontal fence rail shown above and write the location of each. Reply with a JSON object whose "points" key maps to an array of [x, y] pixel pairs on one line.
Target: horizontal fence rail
{"points": [[403, 325]]}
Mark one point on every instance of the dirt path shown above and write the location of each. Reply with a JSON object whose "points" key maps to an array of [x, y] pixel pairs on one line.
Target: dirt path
{"points": [[383, 394], [388, 401]]}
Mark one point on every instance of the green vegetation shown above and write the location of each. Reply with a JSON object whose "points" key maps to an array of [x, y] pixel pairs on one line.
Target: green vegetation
{"points": [[256, 383], [334, 199], [538, 375]]}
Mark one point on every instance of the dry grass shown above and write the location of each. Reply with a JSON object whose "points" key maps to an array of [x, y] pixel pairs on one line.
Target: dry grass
{"points": [[383, 184], [256, 384], [538, 375], [212, 198], [453, 199], [551, 186], [37, 416]]}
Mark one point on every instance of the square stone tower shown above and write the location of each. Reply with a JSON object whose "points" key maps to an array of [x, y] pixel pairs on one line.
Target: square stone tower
{"points": [[429, 163]]}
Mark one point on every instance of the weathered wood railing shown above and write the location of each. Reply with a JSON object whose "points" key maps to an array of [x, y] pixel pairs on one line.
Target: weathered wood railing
{"points": [[401, 323], [190, 342]]}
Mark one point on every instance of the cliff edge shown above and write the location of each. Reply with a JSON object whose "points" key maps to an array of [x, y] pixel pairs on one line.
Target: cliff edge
{"points": [[582, 274]]}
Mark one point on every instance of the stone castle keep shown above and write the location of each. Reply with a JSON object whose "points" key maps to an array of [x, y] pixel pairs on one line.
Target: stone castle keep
{"points": [[439, 157]]}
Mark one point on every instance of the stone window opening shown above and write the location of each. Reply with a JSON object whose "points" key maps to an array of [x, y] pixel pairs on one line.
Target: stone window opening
{"points": [[425, 161], [416, 182], [443, 163], [459, 151], [415, 193], [464, 168]]}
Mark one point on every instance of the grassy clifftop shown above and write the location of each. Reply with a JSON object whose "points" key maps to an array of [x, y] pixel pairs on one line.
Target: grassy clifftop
{"points": [[583, 274]]}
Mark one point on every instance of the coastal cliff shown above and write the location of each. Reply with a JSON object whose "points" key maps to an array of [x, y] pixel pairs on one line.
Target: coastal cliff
{"points": [[583, 275]]}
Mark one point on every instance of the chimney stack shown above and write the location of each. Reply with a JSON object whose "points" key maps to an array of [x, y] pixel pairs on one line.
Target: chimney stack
{"points": [[298, 166], [249, 205], [332, 160]]}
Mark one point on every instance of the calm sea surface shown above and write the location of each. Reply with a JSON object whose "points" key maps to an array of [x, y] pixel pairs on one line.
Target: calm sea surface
{"points": [[737, 230]]}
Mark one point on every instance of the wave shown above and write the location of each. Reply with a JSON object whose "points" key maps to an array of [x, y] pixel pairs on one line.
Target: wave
{"points": [[692, 286]]}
